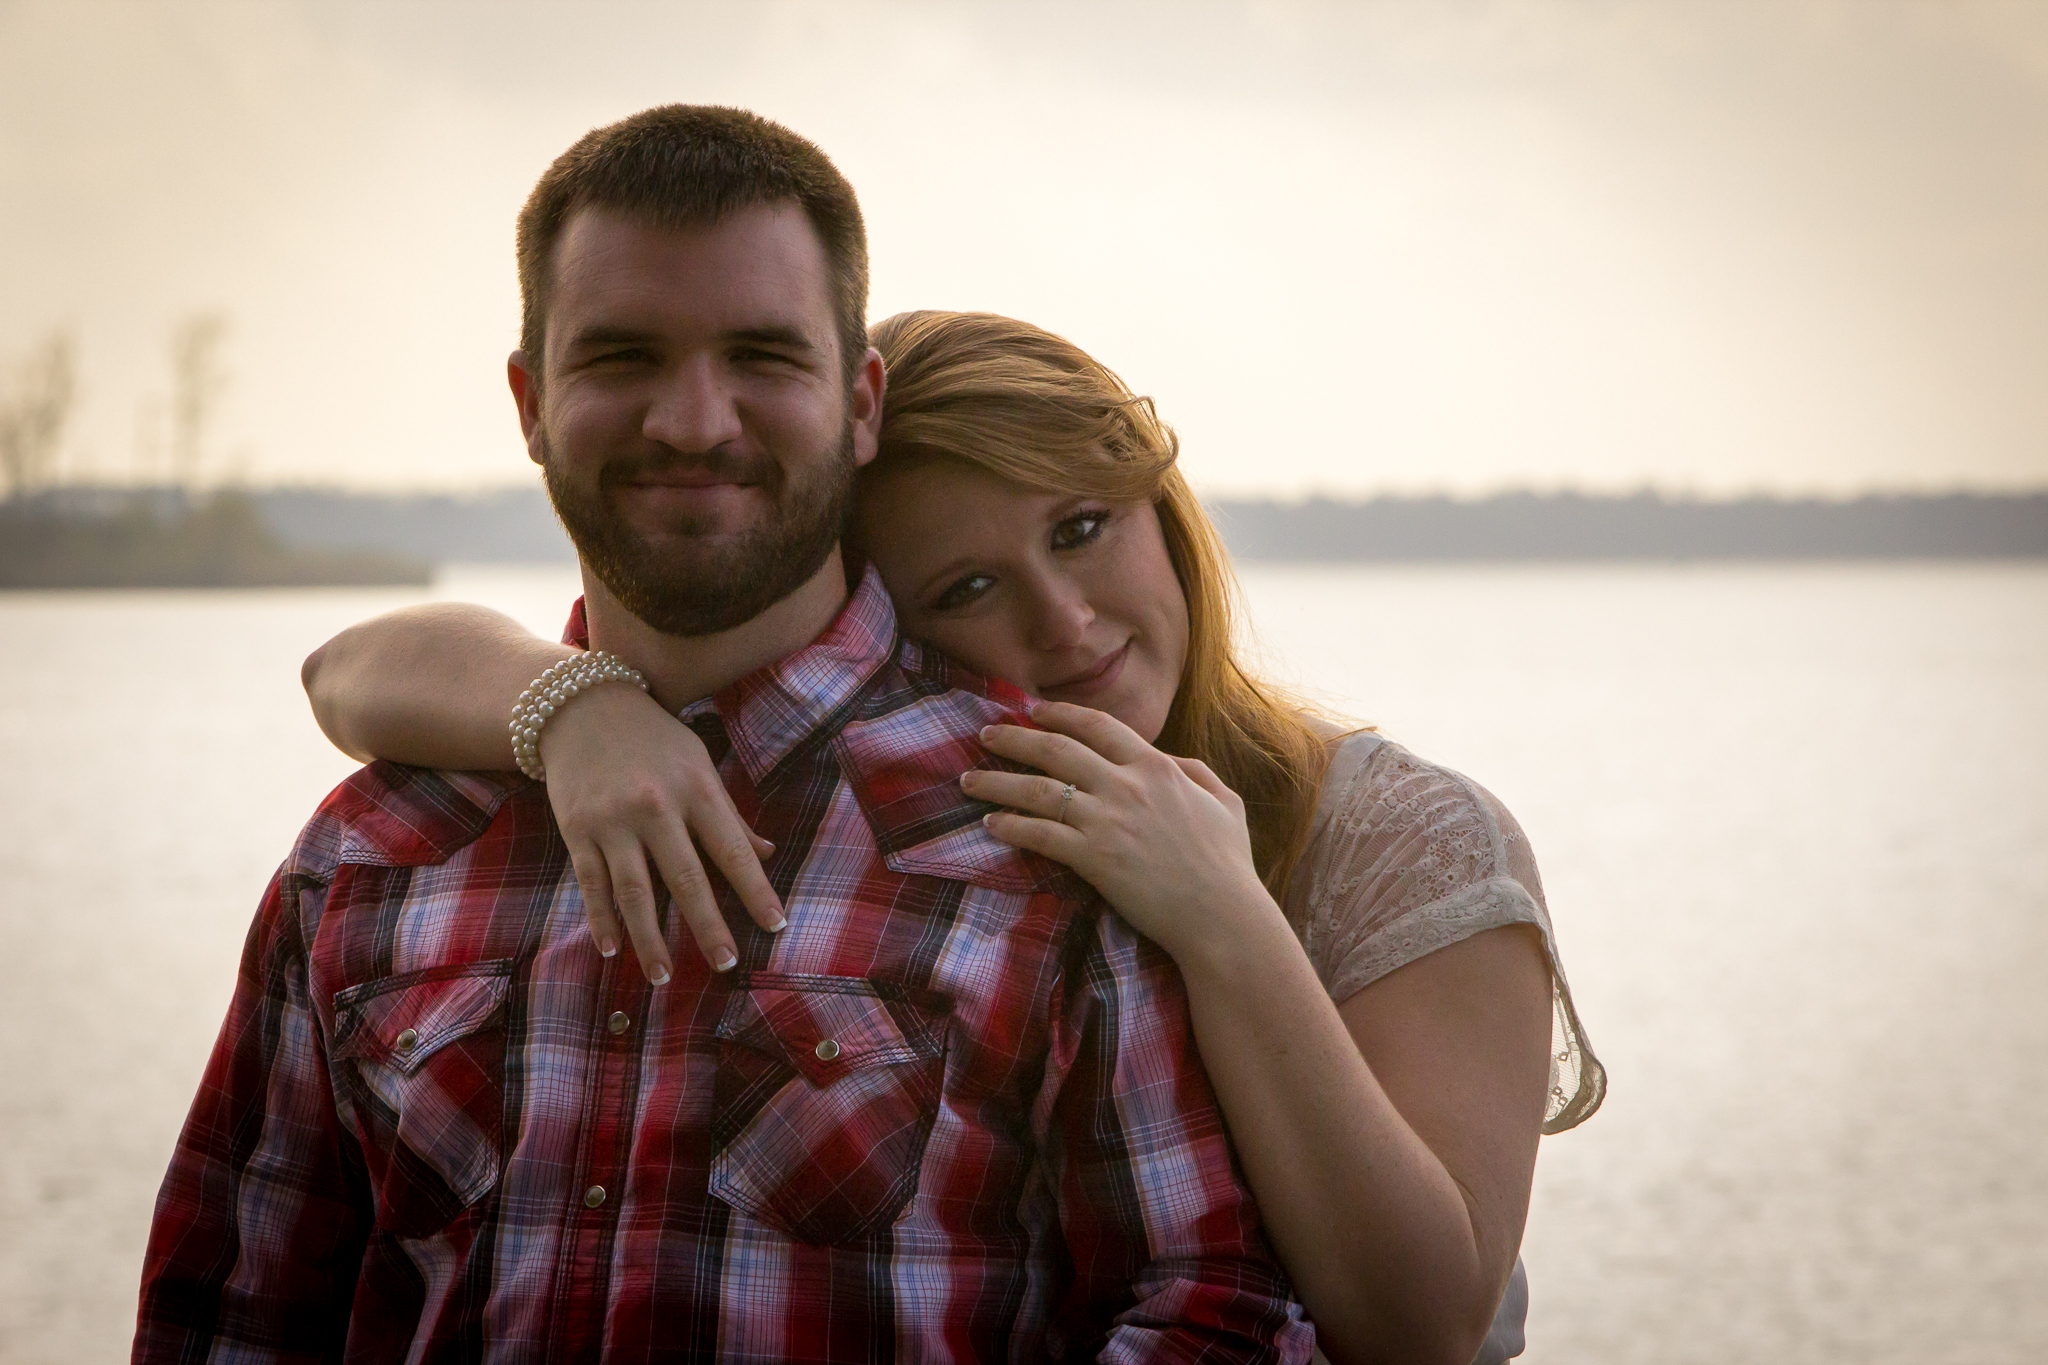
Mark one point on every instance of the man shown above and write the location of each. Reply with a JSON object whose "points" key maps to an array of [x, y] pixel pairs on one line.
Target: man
{"points": [[950, 1111]]}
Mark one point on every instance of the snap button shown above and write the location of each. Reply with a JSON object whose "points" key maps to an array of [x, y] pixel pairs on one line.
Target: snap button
{"points": [[593, 1196], [826, 1050], [618, 1023], [408, 1040]]}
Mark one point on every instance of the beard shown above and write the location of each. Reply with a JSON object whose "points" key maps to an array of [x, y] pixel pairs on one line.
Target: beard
{"points": [[690, 581]]}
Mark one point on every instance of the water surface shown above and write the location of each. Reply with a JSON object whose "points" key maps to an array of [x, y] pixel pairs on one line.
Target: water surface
{"points": [[1793, 823]]}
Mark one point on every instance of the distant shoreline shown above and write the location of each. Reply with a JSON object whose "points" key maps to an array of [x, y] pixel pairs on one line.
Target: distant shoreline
{"points": [[1641, 526], [219, 541], [339, 533]]}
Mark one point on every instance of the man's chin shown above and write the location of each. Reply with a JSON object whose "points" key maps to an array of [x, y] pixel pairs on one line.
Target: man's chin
{"points": [[661, 511], [684, 547]]}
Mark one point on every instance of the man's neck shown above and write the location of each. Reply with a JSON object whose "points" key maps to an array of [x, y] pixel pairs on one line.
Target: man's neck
{"points": [[683, 669]]}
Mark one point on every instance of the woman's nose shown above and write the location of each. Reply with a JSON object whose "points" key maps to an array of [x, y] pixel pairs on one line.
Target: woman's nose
{"points": [[694, 411], [1060, 616]]}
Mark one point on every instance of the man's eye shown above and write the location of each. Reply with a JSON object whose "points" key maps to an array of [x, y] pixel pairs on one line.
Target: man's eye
{"points": [[960, 593], [1078, 530]]}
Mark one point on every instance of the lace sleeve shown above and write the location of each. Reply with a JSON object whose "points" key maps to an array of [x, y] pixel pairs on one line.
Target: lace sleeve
{"points": [[1409, 857]]}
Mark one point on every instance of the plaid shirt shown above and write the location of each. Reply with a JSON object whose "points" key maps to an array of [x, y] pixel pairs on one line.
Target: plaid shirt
{"points": [[953, 1111]]}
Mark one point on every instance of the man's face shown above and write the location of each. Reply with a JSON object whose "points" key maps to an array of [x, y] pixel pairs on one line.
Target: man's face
{"points": [[692, 416]]}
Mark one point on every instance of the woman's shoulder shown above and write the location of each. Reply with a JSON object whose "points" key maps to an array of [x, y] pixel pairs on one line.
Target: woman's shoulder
{"points": [[1381, 799], [1408, 856], [1403, 850]]}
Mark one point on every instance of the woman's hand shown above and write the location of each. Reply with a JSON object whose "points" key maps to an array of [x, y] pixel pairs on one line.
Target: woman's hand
{"points": [[628, 780], [1160, 837]]}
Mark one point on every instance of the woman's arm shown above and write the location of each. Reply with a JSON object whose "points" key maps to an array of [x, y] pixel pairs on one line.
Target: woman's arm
{"points": [[432, 685], [435, 685], [1391, 1143]]}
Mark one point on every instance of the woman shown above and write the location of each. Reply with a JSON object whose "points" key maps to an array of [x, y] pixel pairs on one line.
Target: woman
{"points": [[1367, 957]]}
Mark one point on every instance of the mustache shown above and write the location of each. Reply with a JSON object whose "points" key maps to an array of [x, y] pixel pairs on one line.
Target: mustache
{"points": [[728, 466]]}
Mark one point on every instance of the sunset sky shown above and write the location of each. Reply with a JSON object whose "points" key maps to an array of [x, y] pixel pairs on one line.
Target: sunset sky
{"points": [[1717, 247]]}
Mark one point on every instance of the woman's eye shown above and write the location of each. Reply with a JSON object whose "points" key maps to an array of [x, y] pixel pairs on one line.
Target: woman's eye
{"points": [[964, 591], [1078, 530]]}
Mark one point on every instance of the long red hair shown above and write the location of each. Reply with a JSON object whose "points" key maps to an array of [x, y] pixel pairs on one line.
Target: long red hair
{"points": [[1039, 411]]}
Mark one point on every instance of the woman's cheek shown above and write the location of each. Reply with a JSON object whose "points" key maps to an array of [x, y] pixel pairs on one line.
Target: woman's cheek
{"points": [[979, 646]]}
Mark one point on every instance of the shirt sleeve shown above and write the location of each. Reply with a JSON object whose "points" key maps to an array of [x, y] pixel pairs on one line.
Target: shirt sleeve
{"points": [[1412, 857], [260, 1225], [1167, 1259]]}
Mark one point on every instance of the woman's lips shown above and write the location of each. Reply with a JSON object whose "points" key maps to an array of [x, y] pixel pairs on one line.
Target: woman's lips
{"points": [[1096, 679]]}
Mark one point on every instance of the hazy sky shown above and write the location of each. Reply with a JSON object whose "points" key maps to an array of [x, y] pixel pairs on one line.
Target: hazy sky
{"points": [[1349, 247]]}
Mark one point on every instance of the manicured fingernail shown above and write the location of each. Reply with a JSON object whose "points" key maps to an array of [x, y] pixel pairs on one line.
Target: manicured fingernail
{"points": [[968, 778], [779, 925], [986, 819], [607, 947], [659, 976], [986, 732], [725, 960]]}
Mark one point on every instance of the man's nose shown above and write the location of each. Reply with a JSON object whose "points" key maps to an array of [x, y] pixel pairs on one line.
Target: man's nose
{"points": [[695, 410], [1060, 614]]}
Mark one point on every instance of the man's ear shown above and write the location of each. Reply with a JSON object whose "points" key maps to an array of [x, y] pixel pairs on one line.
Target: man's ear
{"points": [[525, 381], [864, 406]]}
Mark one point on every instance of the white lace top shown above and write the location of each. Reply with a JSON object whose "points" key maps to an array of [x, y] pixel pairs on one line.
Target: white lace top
{"points": [[1407, 857]]}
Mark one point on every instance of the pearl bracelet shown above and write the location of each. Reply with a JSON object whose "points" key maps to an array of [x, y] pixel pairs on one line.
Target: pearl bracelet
{"points": [[550, 691]]}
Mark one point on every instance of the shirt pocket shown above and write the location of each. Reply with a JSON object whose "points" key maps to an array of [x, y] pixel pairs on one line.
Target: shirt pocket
{"points": [[421, 1058], [826, 1092]]}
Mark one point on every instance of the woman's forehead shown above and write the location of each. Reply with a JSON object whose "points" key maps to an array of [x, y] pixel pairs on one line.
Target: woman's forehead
{"points": [[943, 502]]}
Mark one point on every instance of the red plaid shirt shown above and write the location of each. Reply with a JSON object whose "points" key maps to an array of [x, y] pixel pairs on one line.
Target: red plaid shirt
{"points": [[953, 1111]]}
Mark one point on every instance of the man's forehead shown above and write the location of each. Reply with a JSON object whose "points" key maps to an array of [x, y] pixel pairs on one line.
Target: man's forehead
{"points": [[755, 263]]}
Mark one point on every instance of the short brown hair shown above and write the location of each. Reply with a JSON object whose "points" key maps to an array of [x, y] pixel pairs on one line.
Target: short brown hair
{"points": [[686, 165]]}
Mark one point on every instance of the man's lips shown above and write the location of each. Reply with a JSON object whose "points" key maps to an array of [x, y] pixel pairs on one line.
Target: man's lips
{"points": [[686, 479], [719, 469], [1097, 677]]}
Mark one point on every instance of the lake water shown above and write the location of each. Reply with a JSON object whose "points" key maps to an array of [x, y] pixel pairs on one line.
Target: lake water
{"points": [[1793, 823]]}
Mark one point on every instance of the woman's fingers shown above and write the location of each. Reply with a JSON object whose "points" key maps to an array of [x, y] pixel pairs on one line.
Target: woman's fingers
{"points": [[1099, 730], [633, 894], [1063, 757], [1203, 776], [696, 904], [1043, 796], [596, 885], [618, 877], [737, 852], [1054, 840]]}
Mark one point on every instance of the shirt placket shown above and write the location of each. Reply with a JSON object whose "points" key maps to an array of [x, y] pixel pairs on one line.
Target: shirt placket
{"points": [[596, 1194], [619, 1038]]}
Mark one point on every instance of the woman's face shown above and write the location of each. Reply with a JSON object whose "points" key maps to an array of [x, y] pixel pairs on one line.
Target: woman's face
{"points": [[1072, 598]]}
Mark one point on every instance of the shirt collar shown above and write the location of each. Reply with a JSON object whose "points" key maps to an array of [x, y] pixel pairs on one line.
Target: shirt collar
{"points": [[768, 713]]}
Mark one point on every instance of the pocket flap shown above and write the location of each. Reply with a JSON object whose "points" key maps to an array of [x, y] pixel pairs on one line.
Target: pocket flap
{"points": [[826, 1026], [403, 1020], [905, 769]]}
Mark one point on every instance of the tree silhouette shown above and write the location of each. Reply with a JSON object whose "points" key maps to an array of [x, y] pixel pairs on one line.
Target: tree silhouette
{"points": [[33, 408], [198, 381]]}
